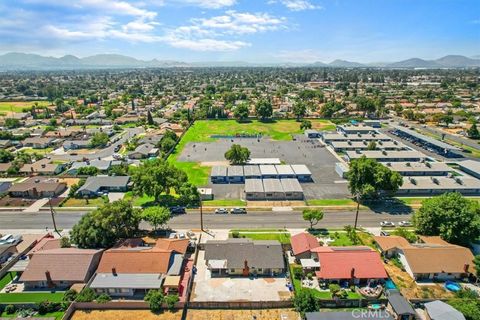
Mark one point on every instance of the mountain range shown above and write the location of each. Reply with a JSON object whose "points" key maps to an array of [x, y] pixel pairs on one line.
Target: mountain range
{"points": [[25, 61]]}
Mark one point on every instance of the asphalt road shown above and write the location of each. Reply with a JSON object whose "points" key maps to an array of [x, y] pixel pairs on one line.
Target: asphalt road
{"points": [[257, 219]]}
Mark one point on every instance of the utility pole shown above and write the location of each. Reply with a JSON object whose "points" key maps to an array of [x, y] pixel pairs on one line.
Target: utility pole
{"points": [[356, 214], [201, 214], [52, 212]]}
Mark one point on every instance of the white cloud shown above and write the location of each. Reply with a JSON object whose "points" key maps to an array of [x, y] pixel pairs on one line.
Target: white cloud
{"points": [[297, 5], [205, 44], [210, 4]]}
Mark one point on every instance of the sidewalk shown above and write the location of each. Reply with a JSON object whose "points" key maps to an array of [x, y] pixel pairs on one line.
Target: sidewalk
{"points": [[36, 206]]}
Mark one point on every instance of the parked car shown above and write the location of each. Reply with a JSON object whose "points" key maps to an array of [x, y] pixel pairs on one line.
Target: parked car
{"points": [[221, 211], [384, 233], [405, 224], [238, 210], [387, 224], [117, 148], [177, 210]]}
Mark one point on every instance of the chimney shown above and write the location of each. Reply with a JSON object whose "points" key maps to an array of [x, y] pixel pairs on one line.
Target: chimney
{"points": [[466, 267], [352, 273], [114, 271], [49, 279]]}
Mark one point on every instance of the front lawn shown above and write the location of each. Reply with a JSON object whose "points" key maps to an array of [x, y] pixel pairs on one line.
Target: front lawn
{"points": [[31, 297], [94, 202], [331, 202], [6, 279], [281, 236]]}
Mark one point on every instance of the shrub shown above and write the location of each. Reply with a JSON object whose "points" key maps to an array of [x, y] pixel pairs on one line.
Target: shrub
{"points": [[235, 234], [70, 295], [10, 309], [155, 298], [334, 288], [305, 301], [298, 273], [171, 300], [103, 298], [43, 307], [86, 295], [309, 276]]}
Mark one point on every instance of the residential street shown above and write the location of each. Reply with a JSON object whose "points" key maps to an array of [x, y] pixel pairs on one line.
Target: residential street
{"points": [[257, 219]]}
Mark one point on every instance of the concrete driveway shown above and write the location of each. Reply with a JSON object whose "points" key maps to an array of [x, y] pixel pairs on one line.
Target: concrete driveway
{"points": [[114, 196], [207, 288]]}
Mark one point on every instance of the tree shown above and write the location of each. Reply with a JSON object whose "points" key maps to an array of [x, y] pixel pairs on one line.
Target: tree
{"points": [[473, 132], [6, 156], [86, 295], [155, 299], [11, 123], [330, 108], [263, 109], [157, 177], [451, 216], [156, 216], [167, 144], [103, 227], [299, 109], [150, 121], [470, 308], [99, 139], [237, 154], [87, 171], [103, 298], [476, 262], [368, 179], [313, 216], [241, 112], [171, 300], [306, 124], [305, 301], [70, 295]]}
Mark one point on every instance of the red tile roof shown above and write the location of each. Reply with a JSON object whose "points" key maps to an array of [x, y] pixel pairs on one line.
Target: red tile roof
{"points": [[303, 242], [341, 262]]}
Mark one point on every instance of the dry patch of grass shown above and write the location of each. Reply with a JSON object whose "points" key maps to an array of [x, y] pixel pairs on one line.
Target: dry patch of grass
{"points": [[125, 315], [70, 181], [264, 314], [410, 289]]}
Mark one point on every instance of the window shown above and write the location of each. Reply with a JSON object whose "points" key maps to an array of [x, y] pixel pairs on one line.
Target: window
{"points": [[232, 270]]}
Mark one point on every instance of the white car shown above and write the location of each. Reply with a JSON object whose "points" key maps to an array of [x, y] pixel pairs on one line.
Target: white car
{"points": [[387, 224], [221, 211], [405, 224]]}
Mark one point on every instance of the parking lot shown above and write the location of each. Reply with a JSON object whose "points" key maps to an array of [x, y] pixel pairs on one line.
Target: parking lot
{"points": [[326, 183], [206, 288]]}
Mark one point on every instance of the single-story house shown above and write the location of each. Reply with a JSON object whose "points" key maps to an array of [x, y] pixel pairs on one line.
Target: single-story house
{"points": [[389, 245], [5, 144], [143, 151], [244, 257], [38, 143], [151, 138], [4, 186], [60, 268], [95, 186], [6, 251], [437, 262], [302, 245], [399, 307], [132, 268], [101, 165], [43, 167], [352, 264], [36, 188], [5, 166], [76, 144], [439, 310]]}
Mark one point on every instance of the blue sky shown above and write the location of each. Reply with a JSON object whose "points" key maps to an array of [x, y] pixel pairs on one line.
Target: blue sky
{"points": [[246, 30]]}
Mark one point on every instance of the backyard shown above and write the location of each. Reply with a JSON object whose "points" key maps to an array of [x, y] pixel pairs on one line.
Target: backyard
{"points": [[202, 131], [125, 315], [31, 297], [243, 314]]}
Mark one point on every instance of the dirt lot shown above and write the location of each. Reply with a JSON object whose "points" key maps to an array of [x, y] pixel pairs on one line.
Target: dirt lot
{"points": [[70, 181], [270, 314], [125, 315], [410, 289], [15, 202]]}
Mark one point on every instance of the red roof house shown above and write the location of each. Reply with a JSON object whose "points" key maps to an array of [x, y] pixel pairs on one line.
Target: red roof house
{"points": [[349, 263], [303, 243]]}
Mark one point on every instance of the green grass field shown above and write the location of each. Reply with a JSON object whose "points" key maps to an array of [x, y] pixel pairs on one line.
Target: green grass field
{"points": [[281, 236], [20, 106], [30, 297], [331, 202], [202, 130], [94, 202], [6, 279]]}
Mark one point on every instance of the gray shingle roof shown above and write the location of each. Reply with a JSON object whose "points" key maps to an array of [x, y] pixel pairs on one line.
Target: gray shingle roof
{"points": [[94, 184], [258, 254]]}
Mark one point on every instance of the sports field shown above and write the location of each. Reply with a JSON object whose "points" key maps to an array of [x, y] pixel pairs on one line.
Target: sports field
{"points": [[20, 106]]}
